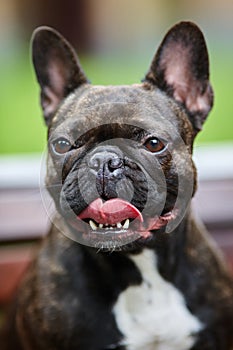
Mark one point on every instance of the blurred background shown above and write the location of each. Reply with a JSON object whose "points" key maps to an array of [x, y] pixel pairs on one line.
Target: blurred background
{"points": [[115, 41]]}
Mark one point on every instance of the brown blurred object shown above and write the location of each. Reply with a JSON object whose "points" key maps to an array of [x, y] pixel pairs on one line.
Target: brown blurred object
{"points": [[13, 263], [70, 17]]}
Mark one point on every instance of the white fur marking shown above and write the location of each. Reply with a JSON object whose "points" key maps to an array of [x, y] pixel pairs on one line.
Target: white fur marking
{"points": [[153, 315]]}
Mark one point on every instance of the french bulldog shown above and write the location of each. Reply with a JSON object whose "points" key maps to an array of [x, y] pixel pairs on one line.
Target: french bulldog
{"points": [[126, 265]]}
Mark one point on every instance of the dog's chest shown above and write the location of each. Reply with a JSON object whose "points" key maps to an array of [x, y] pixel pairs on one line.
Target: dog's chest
{"points": [[153, 316]]}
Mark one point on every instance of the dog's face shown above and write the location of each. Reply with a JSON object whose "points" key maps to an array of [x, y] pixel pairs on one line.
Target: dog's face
{"points": [[119, 160]]}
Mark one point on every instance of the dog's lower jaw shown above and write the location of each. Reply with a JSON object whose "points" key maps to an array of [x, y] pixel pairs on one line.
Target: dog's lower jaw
{"points": [[107, 238], [114, 223], [116, 236]]}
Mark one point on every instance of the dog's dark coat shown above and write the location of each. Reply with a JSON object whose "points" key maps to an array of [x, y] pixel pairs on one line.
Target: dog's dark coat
{"points": [[68, 296]]}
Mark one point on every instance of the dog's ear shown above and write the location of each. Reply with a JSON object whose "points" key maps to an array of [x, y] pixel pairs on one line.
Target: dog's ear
{"points": [[181, 69], [57, 69]]}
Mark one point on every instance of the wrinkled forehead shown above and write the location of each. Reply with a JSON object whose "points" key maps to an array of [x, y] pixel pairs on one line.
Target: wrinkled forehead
{"points": [[129, 105]]}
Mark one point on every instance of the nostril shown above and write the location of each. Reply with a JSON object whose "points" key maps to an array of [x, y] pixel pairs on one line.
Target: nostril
{"points": [[95, 164], [115, 163]]}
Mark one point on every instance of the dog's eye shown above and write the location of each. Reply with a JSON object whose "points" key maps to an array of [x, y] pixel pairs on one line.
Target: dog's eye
{"points": [[61, 146], [154, 145]]}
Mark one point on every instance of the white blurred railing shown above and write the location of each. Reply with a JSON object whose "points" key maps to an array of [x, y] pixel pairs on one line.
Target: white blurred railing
{"points": [[214, 162], [22, 213]]}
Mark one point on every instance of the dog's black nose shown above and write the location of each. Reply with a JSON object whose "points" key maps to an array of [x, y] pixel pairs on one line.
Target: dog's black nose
{"points": [[108, 165], [109, 160]]}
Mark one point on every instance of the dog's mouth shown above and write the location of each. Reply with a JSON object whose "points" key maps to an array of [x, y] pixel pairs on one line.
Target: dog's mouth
{"points": [[117, 221]]}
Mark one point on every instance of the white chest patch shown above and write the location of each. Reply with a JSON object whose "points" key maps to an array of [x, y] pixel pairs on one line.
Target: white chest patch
{"points": [[153, 315]]}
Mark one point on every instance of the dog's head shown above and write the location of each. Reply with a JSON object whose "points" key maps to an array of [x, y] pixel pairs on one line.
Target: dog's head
{"points": [[119, 159]]}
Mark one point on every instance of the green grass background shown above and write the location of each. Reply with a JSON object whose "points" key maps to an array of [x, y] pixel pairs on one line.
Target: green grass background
{"points": [[21, 125]]}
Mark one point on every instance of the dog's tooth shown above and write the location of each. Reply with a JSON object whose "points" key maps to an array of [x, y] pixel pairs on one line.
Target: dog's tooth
{"points": [[101, 225], [126, 224], [93, 225], [119, 225]]}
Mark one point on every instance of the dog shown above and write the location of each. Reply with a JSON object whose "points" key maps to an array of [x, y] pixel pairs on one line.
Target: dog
{"points": [[126, 265]]}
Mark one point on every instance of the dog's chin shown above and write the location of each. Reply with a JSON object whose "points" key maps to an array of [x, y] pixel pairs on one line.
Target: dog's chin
{"points": [[113, 224]]}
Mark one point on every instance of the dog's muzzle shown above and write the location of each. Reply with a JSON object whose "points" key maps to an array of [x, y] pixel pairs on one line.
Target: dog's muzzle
{"points": [[117, 213]]}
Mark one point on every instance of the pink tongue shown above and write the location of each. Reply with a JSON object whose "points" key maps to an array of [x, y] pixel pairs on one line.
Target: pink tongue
{"points": [[112, 211]]}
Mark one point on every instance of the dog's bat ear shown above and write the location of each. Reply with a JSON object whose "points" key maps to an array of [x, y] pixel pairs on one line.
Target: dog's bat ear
{"points": [[57, 69], [181, 69]]}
